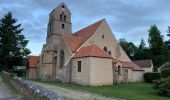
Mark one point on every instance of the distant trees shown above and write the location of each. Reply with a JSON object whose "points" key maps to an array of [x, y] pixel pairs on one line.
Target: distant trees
{"points": [[158, 50], [156, 46], [12, 42], [128, 47]]}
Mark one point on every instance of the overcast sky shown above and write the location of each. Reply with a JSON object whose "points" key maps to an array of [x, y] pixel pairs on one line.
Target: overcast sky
{"points": [[129, 19]]}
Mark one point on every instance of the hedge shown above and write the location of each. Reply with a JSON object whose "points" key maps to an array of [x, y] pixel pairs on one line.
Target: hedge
{"points": [[150, 76], [165, 73]]}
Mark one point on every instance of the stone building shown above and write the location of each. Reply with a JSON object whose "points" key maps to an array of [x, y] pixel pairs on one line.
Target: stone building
{"points": [[31, 67], [91, 56]]}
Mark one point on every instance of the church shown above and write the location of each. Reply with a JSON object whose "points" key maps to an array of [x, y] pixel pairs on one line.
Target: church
{"points": [[91, 56]]}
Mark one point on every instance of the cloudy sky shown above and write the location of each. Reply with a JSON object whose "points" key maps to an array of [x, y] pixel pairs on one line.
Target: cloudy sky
{"points": [[129, 19]]}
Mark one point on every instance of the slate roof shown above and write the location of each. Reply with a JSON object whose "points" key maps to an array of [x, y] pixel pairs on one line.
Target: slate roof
{"points": [[144, 63], [91, 51]]}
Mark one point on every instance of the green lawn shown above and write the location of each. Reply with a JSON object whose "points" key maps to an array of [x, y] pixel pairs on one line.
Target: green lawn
{"points": [[131, 91]]}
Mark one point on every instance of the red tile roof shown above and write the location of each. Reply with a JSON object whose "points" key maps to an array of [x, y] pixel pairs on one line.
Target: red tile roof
{"points": [[73, 42], [78, 38], [128, 64], [33, 61], [91, 51]]}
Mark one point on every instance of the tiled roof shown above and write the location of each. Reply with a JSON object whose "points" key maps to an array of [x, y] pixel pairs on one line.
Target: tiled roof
{"points": [[33, 61], [128, 64], [78, 38], [143, 63], [73, 42], [91, 51]]}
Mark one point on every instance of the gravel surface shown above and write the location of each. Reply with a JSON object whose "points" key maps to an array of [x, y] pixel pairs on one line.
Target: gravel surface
{"points": [[70, 94]]}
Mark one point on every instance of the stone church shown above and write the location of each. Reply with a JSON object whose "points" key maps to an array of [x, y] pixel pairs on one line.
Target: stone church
{"points": [[91, 56]]}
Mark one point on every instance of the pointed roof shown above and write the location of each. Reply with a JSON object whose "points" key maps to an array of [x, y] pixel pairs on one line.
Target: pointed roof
{"points": [[62, 3], [91, 51], [88, 31], [75, 40]]}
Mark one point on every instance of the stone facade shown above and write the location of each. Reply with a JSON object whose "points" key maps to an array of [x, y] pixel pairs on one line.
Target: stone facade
{"points": [[58, 57]]}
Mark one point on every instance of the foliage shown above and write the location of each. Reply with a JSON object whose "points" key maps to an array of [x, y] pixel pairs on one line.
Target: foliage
{"points": [[157, 46], [142, 52], [165, 73], [128, 47], [163, 86], [130, 91], [12, 42], [150, 76], [18, 72]]}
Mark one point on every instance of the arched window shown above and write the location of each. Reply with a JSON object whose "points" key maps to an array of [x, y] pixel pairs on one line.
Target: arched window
{"points": [[62, 58], [62, 26], [64, 17], [60, 17], [109, 52], [102, 36], [119, 69], [105, 49]]}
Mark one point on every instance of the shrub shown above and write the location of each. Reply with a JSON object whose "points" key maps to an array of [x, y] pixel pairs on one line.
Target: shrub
{"points": [[163, 86], [18, 72], [165, 73], [150, 76]]}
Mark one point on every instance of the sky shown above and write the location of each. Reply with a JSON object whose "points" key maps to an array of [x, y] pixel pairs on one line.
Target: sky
{"points": [[129, 19]]}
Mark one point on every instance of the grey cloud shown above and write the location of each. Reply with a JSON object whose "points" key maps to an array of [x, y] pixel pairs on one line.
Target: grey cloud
{"points": [[128, 18]]}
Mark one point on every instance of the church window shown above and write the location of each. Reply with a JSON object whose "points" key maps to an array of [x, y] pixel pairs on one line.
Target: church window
{"points": [[64, 17], [119, 69], [62, 26], [105, 49], [102, 36], [109, 52], [79, 66], [60, 17], [61, 58], [63, 6]]}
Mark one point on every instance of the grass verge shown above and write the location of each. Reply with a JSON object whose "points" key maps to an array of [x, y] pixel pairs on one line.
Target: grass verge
{"points": [[130, 91]]}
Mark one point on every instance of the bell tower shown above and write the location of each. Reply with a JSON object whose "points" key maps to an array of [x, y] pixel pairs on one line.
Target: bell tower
{"points": [[59, 23]]}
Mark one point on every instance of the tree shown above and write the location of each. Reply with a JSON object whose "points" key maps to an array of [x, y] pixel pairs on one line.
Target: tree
{"points": [[167, 44], [142, 52], [128, 47], [12, 42], [157, 46]]}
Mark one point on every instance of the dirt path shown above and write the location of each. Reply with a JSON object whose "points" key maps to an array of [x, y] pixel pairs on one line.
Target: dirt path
{"points": [[7, 94], [70, 94]]}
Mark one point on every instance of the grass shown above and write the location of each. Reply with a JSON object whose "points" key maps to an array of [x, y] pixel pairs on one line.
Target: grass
{"points": [[130, 91]]}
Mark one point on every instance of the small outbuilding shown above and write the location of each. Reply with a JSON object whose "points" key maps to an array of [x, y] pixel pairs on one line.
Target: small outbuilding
{"points": [[146, 64], [32, 64]]}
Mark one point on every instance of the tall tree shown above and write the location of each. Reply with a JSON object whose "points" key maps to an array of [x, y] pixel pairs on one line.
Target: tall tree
{"points": [[12, 42], [167, 44], [157, 46], [142, 52], [128, 47]]}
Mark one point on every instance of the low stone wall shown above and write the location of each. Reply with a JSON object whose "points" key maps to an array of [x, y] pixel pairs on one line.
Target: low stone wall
{"points": [[30, 90]]}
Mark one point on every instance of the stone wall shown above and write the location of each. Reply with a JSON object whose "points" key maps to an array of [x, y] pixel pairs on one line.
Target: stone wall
{"points": [[30, 90]]}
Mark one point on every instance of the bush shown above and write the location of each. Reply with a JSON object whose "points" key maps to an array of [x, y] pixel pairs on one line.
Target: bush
{"points": [[18, 72], [150, 76], [165, 73], [163, 86]]}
